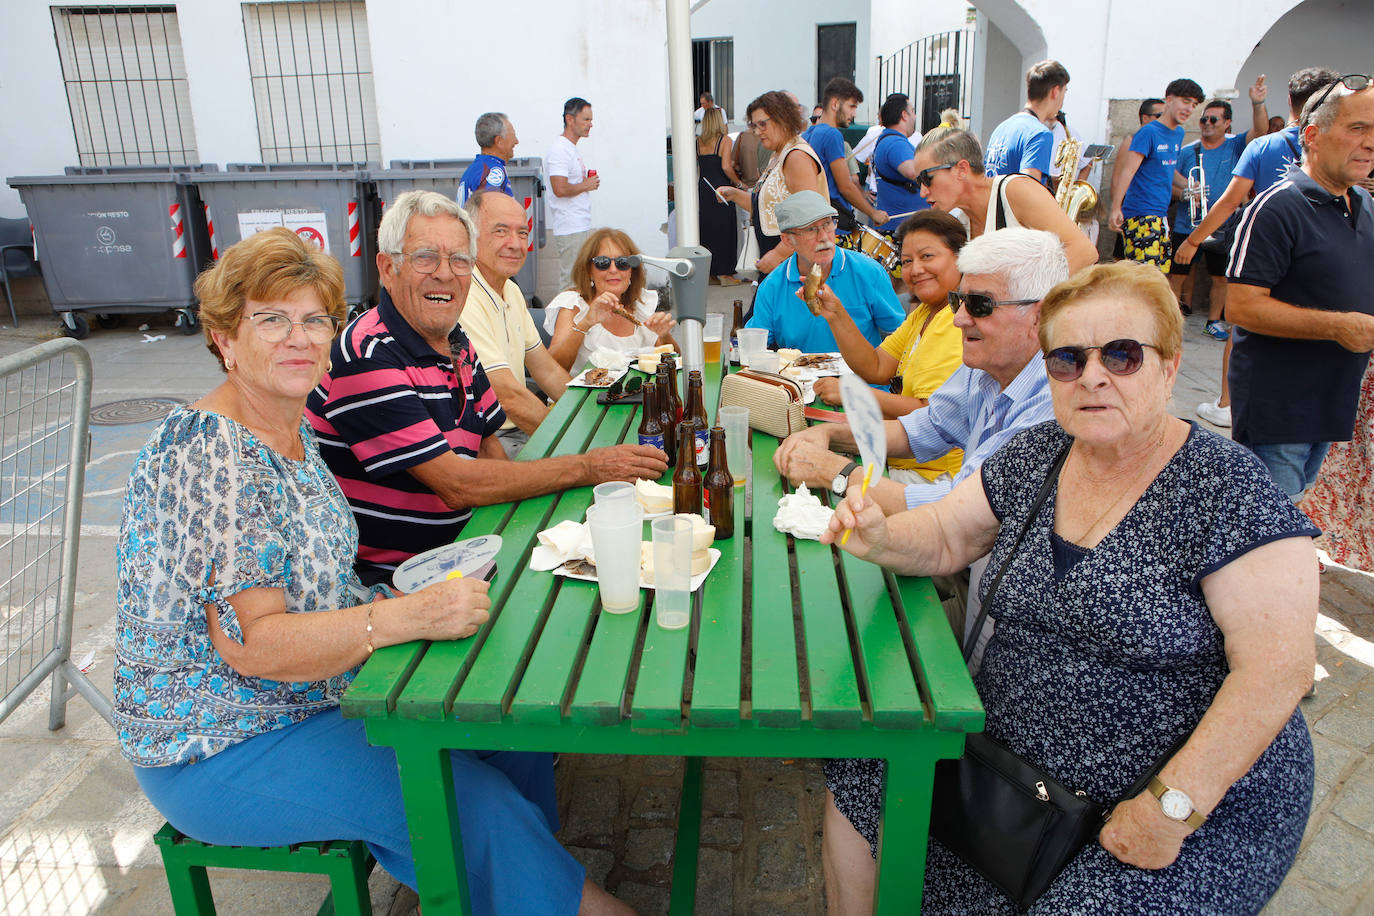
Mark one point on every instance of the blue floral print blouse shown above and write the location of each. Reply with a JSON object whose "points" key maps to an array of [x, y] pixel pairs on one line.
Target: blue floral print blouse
{"points": [[211, 510]]}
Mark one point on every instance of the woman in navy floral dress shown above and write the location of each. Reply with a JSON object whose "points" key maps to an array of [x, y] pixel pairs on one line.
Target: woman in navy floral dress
{"points": [[1165, 587], [241, 620]]}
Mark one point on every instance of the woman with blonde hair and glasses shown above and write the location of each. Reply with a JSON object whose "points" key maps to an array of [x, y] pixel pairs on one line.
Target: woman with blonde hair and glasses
{"points": [[778, 123]]}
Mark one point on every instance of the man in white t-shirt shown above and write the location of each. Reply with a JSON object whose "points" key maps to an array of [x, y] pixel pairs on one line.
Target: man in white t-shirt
{"points": [[570, 206]]}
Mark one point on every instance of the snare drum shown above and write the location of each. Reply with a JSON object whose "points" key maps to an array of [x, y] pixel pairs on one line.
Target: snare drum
{"points": [[876, 245]]}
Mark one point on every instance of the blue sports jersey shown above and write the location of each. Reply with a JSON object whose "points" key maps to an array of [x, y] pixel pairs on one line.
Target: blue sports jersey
{"points": [[1152, 187], [487, 172], [828, 143], [1217, 165], [1266, 161], [896, 193], [1020, 142]]}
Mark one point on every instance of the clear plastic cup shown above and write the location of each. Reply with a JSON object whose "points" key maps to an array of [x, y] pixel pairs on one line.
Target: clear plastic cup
{"points": [[710, 340], [764, 360], [672, 572], [618, 499], [616, 540], [751, 340], [735, 421]]}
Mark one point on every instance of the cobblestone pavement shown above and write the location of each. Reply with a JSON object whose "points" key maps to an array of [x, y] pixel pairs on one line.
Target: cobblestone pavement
{"points": [[75, 831]]}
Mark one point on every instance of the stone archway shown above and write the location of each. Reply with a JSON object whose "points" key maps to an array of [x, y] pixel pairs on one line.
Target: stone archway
{"points": [[1313, 33]]}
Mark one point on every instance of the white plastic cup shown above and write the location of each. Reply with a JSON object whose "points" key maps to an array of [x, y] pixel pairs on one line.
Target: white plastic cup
{"points": [[735, 421], [751, 340], [618, 498], [672, 572], [764, 360], [715, 324], [616, 540]]}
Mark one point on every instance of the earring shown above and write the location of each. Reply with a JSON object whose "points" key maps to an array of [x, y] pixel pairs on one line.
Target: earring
{"points": [[229, 364], [328, 366]]}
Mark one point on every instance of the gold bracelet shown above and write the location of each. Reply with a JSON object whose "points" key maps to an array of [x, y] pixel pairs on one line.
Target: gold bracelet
{"points": [[370, 605]]}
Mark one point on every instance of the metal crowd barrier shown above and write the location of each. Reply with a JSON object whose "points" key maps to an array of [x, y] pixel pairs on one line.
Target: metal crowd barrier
{"points": [[45, 406]]}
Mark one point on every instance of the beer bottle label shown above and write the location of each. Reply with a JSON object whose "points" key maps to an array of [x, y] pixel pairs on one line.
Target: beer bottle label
{"points": [[703, 447], [706, 502], [656, 441]]}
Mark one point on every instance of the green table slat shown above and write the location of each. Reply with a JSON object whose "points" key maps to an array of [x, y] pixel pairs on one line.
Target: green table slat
{"points": [[432, 686], [488, 685], [551, 430], [375, 689], [892, 690], [657, 700], [601, 687], [776, 697], [716, 681], [952, 698], [829, 661], [550, 673]]}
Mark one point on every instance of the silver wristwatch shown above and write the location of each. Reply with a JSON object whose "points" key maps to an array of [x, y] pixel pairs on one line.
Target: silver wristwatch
{"points": [[840, 484]]}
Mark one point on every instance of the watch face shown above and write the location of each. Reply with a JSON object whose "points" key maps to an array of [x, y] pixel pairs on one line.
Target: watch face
{"points": [[839, 484], [1176, 804]]}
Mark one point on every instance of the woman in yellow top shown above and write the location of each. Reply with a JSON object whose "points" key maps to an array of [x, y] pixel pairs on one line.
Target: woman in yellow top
{"points": [[925, 350]]}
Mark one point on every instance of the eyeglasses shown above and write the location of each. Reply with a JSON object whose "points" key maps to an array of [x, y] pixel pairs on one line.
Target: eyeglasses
{"points": [[815, 118], [427, 262], [923, 176], [602, 262], [1209, 119], [274, 327], [1119, 357], [760, 124], [825, 226], [1352, 81], [980, 305]]}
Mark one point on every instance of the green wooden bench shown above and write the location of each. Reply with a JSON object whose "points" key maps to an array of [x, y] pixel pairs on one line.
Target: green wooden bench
{"points": [[346, 863]]}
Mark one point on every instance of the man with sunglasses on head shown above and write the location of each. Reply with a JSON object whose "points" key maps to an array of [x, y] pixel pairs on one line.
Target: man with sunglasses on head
{"points": [[1215, 155], [406, 418], [1000, 389], [858, 281], [1143, 184], [1301, 301]]}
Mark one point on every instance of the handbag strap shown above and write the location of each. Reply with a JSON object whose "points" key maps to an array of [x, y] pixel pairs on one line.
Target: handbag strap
{"points": [[1040, 497]]}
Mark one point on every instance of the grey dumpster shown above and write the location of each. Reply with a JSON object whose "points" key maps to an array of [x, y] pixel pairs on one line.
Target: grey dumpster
{"points": [[443, 175], [117, 240], [323, 202]]}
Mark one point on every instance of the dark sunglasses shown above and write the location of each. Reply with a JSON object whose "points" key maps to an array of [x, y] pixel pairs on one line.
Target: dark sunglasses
{"points": [[1119, 357], [1208, 119], [980, 305], [625, 388], [1355, 82], [923, 176], [601, 262]]}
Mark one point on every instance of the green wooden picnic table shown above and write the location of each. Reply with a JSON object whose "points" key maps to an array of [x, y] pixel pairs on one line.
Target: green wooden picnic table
{"points": [[795, 650]]}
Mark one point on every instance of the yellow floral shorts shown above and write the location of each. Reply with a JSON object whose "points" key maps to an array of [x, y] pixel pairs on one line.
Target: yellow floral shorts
{"points": [[1147, 241]]}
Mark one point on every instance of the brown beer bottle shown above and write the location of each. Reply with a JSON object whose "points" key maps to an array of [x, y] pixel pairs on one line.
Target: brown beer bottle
{"points": [[687, 477], [665, 413], [696, 417], [650, 423], [735, 324], [719, 488], [674, 390]]}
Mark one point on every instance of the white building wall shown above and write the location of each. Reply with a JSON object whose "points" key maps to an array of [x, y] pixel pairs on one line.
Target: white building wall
{"points": [[1317, 33], [434, 76], [897, 23], [775, 46]]}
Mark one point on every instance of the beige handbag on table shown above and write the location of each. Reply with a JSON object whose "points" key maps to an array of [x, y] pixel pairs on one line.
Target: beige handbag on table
{"points": [[774, 402]]}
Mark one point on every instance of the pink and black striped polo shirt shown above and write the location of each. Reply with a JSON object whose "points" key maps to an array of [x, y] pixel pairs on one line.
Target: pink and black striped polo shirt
{"points": [[389, 403]]}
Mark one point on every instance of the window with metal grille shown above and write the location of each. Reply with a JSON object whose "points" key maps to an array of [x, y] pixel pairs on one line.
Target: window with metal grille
{"points": [[713, 71], [126, 84], [311, 65]]}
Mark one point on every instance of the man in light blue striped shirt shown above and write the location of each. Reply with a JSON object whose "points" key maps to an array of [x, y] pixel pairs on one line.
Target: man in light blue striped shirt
{"points": [[1000, 390]]}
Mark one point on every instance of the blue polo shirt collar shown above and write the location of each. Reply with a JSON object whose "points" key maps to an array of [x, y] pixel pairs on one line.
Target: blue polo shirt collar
{"points": [[793, 270], [1320, 195]]}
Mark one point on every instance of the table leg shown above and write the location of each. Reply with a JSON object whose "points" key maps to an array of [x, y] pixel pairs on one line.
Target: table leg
{"points": [[435, 841], [903, 835]]}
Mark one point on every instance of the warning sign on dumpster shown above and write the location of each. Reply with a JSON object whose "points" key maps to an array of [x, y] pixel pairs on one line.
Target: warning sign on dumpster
{"points": [[310, 226], [256, 221]]}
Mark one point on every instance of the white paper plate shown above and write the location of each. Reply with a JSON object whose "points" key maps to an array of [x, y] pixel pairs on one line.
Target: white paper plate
{"points": [[580, 380], [466, 557], [696, 580]]}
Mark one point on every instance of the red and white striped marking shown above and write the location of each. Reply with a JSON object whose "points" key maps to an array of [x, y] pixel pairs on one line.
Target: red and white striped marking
{"points": [[214, 242], [355, 241], [530, 219], [178, 231]]}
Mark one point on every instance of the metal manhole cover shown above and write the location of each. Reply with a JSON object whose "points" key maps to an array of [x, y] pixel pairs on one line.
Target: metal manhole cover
{"points": [[133, 410]]}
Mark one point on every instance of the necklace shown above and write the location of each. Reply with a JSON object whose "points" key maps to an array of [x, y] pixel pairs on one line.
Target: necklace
{"points": [[1129, 488]]}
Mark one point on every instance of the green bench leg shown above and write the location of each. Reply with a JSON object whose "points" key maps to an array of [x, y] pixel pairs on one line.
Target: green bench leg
{"points": [[432, 818], [903, 836], [684, 892]]}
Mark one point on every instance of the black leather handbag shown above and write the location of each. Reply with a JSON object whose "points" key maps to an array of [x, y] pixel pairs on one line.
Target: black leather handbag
{"points": [[1011, 821]]}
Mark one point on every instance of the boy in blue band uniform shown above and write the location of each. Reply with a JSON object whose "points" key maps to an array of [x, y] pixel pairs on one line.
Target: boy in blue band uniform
{"points": [[840, 103], [1024, 142]]}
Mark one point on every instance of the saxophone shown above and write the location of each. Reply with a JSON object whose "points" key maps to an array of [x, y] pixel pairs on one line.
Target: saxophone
{"points": [[1076, 198]]}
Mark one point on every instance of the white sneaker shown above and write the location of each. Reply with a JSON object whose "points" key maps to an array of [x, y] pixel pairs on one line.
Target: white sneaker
{"points": [[1214, 414]]}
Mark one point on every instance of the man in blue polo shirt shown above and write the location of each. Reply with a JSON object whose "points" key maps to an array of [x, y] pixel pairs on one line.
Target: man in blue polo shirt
{"points": [[1263, 163], [1214, 155], [1301, 300], [840, 103], [1024, 142], [894, 163], [496, 139], [1143, 187], [856, 279]]}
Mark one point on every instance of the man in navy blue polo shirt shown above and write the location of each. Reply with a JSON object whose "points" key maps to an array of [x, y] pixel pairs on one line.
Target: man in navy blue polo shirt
{"points": [[1301, 299], [496, 139]]}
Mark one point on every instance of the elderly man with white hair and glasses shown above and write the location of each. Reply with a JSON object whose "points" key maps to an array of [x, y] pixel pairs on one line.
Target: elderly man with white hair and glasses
{"points": [[1301, 300], [496, 140], [406, 405]]}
